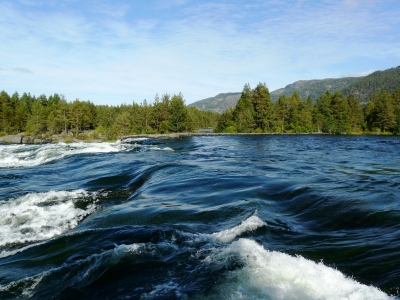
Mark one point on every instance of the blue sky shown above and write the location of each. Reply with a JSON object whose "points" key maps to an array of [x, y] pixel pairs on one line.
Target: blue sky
{"points": [[114, 52]]}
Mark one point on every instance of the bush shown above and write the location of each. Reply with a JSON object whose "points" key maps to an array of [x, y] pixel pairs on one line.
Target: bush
{"points": [[68, 139]]}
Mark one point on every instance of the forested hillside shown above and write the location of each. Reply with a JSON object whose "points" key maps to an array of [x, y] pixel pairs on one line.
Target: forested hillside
{"points": [[314, 88], [388, 80], [54, 115], [304, 88], [361, 87], [331, 113]]}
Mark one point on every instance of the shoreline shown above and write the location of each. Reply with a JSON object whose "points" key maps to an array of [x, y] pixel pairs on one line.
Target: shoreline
{"points": [[21, 139], [186, 134]]}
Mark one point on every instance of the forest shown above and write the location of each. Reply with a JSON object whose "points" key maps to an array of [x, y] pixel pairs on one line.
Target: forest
{"points": [[331, 113], [255, 112], [44, 116]]}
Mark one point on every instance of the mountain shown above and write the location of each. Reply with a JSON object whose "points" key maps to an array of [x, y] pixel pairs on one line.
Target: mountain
{"points": [[219, 103], [361, 87], [305, 88], [314, 88]]}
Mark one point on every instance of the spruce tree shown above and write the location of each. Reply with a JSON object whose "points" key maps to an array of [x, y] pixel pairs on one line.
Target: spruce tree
{"points": [[262, 107]]}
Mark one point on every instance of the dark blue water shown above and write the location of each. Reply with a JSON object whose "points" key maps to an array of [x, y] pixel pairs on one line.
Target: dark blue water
{"points": [[238, 217]]}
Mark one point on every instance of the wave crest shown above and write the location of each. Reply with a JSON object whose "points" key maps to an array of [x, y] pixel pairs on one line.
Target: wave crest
{"points": [[41, 216]]}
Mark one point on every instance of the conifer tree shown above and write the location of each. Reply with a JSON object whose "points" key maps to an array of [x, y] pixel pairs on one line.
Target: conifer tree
{"points": [[356, 113], [5, 113], [384, 110], [340, 113], [178, 113], [322, 114], [282, 113], [262, 107], [244, 111]]}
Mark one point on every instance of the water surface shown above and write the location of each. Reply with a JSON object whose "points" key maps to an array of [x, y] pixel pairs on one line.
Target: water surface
{"points": [[234, 217]]}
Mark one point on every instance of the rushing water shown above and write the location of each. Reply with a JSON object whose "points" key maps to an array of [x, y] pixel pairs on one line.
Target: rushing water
{"points": [[238, 217]]}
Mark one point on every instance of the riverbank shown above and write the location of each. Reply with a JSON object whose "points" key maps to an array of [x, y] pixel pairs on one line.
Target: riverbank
{"points": [[186, 134], [87, 138], [65, 138], [23, 138]]}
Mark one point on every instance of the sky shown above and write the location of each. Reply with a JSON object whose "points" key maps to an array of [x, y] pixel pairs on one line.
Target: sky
{"points": [[120, 52]]}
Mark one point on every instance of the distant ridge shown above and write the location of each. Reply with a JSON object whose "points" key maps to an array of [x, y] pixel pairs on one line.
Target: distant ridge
{"points": [[305, 88], [361, 87], [314, 88], [219, 103]]}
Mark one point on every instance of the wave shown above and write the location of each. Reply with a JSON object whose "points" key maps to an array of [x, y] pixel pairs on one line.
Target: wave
{"points": [[15, 156], [41, 216], [241, 268], [274, 275], [79, 272], [250, 224], [134, 140], [161, 149]]}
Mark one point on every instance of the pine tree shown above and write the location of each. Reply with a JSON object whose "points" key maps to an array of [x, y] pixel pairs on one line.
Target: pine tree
{"points": [[322, 113], [5, 113], [340, 113], [244, 111], [384, 110], [294, 108], [282, 113], [356, 113], [305, 115], [262, 107], [226, 122], [178, 113], [36, 123]]}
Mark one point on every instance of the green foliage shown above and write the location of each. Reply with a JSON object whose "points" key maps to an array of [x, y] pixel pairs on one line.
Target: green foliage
{"points": [[254, 112], [262, 108], [178, 114], [331, 113], [314, 88], [243, 114], [379, 81], [226, 122], [54, 115], [382, 113]]}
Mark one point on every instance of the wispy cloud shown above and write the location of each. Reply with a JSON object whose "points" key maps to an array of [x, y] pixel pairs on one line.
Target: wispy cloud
{"points": [[111, 52], [357, 74], [23, 70]]}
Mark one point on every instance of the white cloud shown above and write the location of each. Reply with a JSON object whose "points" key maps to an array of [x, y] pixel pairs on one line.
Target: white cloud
{"points": [[114, 54]]}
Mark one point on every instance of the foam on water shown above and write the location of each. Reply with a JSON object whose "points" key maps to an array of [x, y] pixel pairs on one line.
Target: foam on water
{"points": [[14, 156], [161, 149], [273, 275], [41, 216], [165, 290], [134, 140], [250, 224]]}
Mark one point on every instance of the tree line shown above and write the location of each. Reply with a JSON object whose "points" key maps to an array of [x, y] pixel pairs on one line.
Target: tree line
{"points": [[378, 81], [254, 112], [331, 113], [44, 115]]}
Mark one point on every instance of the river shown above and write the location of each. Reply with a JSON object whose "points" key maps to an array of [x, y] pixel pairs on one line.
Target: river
{"points": [[204, 217]]}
